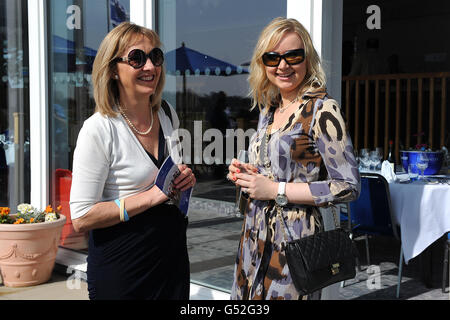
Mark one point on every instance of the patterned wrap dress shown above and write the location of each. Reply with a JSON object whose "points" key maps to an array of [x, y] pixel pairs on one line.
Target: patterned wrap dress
{"points": [[312, 147]]}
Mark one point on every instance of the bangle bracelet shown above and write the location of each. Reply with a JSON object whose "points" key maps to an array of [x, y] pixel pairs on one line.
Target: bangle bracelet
{"points": [[123, 211], [120, 210]]}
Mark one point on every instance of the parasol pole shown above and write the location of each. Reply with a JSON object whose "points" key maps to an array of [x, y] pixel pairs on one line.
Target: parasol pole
{"points": [[184, 90]]}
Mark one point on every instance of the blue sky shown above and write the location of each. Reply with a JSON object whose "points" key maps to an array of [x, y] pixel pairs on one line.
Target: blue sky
{"points": [[95, 25], [225, 29]]}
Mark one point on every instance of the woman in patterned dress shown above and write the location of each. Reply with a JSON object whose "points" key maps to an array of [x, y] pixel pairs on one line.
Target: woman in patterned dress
{"points": [[302, 141]]}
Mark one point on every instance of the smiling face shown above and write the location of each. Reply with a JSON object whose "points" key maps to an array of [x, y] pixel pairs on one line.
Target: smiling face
{"points": [[287, 78], [142, 82]]}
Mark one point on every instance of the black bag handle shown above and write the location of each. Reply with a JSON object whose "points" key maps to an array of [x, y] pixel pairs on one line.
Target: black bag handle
{"points": [[166, 109]]}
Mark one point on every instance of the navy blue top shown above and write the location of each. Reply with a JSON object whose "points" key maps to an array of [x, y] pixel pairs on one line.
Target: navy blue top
{"points": [[161, 151]]}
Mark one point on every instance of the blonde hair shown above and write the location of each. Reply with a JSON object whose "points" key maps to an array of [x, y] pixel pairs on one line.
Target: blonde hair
{"points": [[106, 90], [262, 91]]}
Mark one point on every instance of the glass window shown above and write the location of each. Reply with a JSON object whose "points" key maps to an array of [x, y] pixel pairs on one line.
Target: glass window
{"points": [[75, 31], [14, 104], [211, 100]]}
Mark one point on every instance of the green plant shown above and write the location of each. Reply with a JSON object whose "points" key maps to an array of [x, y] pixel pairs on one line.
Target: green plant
{"points": [[28, 214]]}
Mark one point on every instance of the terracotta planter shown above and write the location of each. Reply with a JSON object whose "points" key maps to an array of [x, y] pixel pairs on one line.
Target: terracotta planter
{"points": [[28, 252]]}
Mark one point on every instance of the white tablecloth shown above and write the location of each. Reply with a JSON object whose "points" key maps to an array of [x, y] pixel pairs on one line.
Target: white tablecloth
{"points": [[423, 213]]}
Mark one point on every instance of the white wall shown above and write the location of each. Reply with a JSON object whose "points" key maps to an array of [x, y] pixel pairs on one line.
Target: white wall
{"points": [[142, 13], [37, 42], [323, 20]]}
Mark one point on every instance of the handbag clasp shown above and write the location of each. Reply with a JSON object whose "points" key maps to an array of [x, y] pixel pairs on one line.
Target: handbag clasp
{"points": [[335, 269]]}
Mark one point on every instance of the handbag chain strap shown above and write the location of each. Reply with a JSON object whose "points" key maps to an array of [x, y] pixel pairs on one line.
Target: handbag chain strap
{"points": [[271, 176], [283, 222]]}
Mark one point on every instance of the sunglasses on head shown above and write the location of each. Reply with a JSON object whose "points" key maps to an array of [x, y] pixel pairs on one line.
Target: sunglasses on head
{"points": [[273, 59], [137, 58]]}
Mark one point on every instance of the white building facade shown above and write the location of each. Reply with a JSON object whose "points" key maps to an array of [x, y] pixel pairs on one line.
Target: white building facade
{"points": [[48, 50]]}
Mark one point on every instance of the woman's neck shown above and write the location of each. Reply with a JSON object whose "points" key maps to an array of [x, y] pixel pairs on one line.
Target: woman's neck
{"points": [[288, 98], [136, 109]]}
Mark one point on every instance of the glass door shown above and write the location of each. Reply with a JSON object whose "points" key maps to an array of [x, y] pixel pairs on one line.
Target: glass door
{"points": [[14, 104], [75, 31], [208, 47]]}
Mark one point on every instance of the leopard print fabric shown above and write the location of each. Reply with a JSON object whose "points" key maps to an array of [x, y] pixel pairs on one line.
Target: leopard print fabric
{"points": [[313, 147]]}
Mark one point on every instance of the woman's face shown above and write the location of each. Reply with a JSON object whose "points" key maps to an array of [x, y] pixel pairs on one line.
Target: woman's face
{"points": [[142, 81], [287, 77]]}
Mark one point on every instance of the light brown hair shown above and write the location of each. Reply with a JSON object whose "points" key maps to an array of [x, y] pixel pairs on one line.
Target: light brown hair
{"points": [[106, 91]]}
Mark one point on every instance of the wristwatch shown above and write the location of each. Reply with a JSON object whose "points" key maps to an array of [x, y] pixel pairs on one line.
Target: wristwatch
{"points": [[281, 198]]}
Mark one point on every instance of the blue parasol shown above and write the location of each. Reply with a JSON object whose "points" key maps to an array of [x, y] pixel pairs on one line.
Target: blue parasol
{"points": [[65, 55], [185, 61], [62, 45]]}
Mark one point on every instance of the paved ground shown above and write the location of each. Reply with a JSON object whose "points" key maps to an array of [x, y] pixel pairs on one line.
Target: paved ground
{"points": [[213, 244], [213, 236]]}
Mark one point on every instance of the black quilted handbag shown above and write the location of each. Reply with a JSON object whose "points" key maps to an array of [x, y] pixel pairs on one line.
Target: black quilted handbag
{"points": [[320, 260]]}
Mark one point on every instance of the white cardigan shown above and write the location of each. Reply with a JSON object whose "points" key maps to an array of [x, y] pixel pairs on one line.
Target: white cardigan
{"points": [[110, 163]]}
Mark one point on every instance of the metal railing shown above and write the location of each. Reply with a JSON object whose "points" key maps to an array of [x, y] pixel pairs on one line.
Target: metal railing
{"points": [[409, 108]]}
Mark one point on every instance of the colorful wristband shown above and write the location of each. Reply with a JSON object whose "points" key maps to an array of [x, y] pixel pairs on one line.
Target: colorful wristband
{"points": [[118, 202], [123, 211]]}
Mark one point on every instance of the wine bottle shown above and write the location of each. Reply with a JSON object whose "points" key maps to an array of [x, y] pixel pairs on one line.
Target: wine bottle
{"points": [[391, 157]]}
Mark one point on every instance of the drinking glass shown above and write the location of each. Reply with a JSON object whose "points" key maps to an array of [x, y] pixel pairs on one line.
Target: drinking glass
{"points": [[243, 157], [412, 175], [364, 153], [364, 160], [379, 152], [422, 163], [375, 159], [404, 159]]}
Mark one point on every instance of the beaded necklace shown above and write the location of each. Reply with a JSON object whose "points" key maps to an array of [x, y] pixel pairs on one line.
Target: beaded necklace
{"points": [[282, 109], [266, 152], [142, 133]]}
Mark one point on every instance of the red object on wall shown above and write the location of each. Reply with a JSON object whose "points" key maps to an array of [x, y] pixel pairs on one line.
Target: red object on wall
{"points": [[69, 238]]}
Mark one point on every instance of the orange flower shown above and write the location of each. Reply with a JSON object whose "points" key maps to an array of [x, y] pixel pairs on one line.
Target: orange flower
{"points": [[59, 208], [49, 209], [19, 221], [31, 220], [4, 211]]}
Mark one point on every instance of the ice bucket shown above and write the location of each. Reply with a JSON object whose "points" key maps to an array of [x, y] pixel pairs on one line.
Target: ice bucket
{"points": [[434, 164]]}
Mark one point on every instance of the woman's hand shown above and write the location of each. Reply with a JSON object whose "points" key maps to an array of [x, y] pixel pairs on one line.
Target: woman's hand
{"points": [[257, 186], [185, 180], [239, 167], [157, 196]]}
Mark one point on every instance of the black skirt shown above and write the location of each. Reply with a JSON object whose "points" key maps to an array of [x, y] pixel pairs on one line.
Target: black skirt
{"points": [[143, 258]]}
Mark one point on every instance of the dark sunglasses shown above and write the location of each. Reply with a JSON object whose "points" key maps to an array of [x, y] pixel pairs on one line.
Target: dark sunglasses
{"points": [[273, 59], [137, 58]]}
